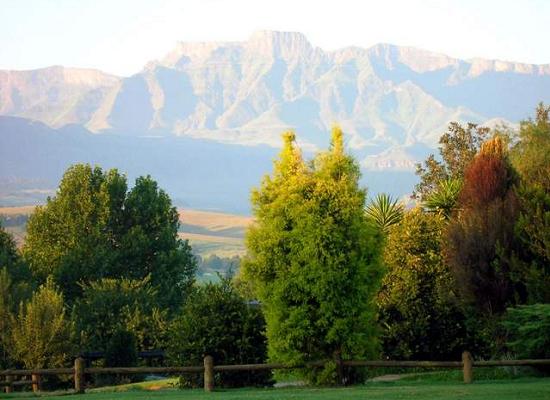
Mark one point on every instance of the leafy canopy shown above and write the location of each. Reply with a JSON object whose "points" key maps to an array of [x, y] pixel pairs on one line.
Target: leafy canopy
{"points": [[95, 228], [313, 257], [458, 147]]}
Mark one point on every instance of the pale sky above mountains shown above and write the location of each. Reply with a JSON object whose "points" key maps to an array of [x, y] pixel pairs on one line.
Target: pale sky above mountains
{"points": [[121, 36]]}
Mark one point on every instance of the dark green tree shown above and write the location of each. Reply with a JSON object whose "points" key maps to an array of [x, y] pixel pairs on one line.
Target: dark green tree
{"points": [[112, 307], [215, 320]]}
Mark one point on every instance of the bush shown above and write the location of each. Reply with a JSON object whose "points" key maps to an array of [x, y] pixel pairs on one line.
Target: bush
{"points": [[528, 331], [217, 321], [418, 309], [41, 334], [111, 306]]}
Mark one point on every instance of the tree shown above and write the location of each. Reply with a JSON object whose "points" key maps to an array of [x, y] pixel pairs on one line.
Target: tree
{"points": [[150, 245], [72, 236], [313, 258], [418, 307], [384, 211], [41, 334], [480, 239], [457, 149], [531, 158], [528, 330], [94, 228], [215, 320], [15, 286], [530, 155]]}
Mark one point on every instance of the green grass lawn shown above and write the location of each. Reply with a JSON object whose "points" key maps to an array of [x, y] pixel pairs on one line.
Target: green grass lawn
{"points": [[524, 389]]}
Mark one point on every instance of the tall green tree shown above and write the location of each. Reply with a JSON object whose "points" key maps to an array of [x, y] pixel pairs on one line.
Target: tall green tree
{"points": [[150, 245], [313, 258], [71, 237], [95, 228]]}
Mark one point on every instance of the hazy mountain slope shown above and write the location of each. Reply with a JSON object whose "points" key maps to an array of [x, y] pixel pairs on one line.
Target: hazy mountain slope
{"points": [[196, 173]]}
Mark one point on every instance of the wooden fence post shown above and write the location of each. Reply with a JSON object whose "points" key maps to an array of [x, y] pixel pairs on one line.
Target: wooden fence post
{"points": [[339, 367], [79, 375], [208, 373], [35, 379], [9, 386], [467, 363]]}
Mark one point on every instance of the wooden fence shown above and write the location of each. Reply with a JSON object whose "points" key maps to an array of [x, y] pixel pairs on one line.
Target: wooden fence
{"points": [[79, 371]]}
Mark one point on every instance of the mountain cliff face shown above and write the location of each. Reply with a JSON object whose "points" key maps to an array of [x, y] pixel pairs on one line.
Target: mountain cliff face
{"points": [[55, 95], [393, 102]]}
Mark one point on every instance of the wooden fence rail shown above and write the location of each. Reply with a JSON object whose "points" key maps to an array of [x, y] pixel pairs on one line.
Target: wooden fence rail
{"points": [[209, 368]]}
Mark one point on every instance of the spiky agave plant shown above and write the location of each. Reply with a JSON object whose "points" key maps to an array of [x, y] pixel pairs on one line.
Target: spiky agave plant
{"points": [[385, 211], [445, 197]]}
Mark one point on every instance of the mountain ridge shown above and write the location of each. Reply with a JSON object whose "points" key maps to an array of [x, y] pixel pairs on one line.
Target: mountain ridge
{"points": [[393, 102]]}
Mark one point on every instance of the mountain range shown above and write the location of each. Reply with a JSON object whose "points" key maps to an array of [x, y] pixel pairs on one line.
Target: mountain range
{"points": [[393, 103]]}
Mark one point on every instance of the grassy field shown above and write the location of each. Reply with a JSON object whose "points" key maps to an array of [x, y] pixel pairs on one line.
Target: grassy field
{"points": [[524, 389], [208, 232]]}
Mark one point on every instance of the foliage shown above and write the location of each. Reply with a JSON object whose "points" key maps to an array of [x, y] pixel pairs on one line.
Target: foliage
{"points": [[528, 329], [215, 320], [444, 198], [457, 149], [150, 245], [41, 334], [313, 257], [418, 309], [531, 154], [121, 350], [533, 227], [93, 228], [384, 211], [531, 158], [113, 307], [480, 239], [15, 286]]}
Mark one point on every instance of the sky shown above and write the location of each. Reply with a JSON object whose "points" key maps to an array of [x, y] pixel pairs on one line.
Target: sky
{"points": [[121, 36]]}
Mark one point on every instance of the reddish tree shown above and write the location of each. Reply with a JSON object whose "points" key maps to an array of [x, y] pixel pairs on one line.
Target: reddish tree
{"points": [[480, 239], [487, 179]]}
